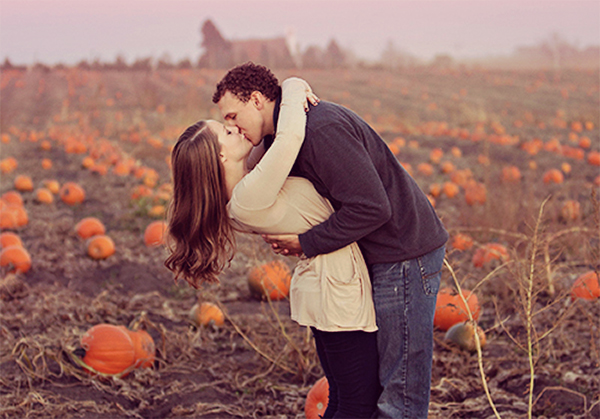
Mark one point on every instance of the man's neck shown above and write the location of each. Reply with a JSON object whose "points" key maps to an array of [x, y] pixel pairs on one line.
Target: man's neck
{"points": [[269, 124]]}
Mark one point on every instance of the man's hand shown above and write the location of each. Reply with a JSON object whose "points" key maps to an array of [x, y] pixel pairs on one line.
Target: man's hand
{"points": [[284, 244]]}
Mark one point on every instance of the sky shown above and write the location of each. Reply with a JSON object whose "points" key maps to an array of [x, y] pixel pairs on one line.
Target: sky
{"points": [[68, 31]]}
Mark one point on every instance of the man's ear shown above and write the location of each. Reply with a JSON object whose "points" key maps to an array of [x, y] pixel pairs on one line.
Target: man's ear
{"points": [[258, 100]]}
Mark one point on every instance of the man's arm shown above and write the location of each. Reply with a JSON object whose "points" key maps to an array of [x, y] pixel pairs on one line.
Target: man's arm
{"points": [[340, 160]]}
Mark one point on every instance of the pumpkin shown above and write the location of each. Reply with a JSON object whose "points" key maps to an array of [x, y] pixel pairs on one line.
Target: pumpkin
{"points": [[317, 399], [475, 193], [570, 210], [108, 349], [46, 164], [155, 233], [16, 258], [553, 176], [463, 335], [44, 196], [425, 169], [100, 247], [450, 189], [8, 217], [10, 239], [71, 193], [488, 253], [13, 216], [206, 314], [593, 158], [52, 185], [270, 279], [435, 156], [88, 227], [450, 308], [157, 211], [23, 183], [12, 197], [586, 286], [448, 167], [143, 346], [511, 174], [435, 189], [462, 241]]}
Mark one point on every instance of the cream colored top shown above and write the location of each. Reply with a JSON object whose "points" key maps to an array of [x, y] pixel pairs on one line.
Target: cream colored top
{"points": [[331, 292]]}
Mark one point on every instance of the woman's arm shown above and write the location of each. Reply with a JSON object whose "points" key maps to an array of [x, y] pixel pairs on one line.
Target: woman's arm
{"points": [[258, 190]]}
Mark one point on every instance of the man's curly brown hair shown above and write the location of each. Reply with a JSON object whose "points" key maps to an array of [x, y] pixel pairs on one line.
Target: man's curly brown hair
{"points": [[246, 78]]}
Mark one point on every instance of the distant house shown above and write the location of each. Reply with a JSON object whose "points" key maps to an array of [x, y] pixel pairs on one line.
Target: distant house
{"points": [[222, 53]]}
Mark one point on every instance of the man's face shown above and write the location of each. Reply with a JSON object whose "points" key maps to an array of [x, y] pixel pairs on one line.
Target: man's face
{"points": [[244, 115]]}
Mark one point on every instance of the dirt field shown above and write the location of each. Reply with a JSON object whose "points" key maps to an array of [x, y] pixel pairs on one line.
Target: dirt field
{"points": [[260, 363]]}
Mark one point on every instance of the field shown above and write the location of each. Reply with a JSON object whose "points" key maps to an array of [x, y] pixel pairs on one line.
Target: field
{"points": [[481, 143]]}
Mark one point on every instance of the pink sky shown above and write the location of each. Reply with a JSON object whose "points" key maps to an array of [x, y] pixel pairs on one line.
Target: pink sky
{"points": [[68, 31]]}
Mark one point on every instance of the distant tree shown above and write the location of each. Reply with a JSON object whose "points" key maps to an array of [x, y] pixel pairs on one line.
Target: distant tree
{"points": [[164, 62], [83, 65], [7, 65], [334, 56], [393, 58], [313, 57], [217, 50], [184, 64], [442, 61], [142, 64]]}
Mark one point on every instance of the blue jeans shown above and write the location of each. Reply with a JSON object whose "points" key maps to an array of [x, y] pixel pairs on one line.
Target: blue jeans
{"points": [[404, 294]]}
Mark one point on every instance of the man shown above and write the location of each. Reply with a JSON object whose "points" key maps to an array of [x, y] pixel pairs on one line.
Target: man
{"points": [[377, 204]]}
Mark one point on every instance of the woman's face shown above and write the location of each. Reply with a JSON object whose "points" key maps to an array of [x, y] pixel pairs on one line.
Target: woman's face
{"points": [[234, 145]]}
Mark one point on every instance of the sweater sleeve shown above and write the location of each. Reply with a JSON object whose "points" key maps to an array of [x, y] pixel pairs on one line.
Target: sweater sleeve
{"points": [[258, 190], [341, 162]]}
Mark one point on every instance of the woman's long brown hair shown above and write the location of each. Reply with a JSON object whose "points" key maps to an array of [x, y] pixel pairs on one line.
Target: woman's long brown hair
{"points": [[201, 239]]}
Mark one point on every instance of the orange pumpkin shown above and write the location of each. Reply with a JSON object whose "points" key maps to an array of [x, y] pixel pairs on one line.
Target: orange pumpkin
{"points": [[450, 189], [44, 196], [511, 174], [270, 279], [553, 176], [108, 349], [16, 258], [488, 253], [475, 193], [72, 193], [435, 189], [8, 217], [52, 185], [13, 216], [570, 210], [463, 334], [100, 247], [143, 346], [88, 227], [23, 183], [462, 241], [46, 164], [317, 399], [593, 158], [155, 233], [10, 239], [450, 308], [206, 314], [12, 197], [586, 286], [425, 169]]}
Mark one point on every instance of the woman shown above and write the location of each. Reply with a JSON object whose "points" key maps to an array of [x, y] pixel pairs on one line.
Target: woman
{"points": [[215, 194]]}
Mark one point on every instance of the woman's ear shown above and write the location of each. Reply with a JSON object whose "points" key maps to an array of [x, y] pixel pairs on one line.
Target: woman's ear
{"points": [[223, 158]]}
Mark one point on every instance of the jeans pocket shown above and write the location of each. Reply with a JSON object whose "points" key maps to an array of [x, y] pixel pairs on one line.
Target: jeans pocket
{"points": [[430, 268]]}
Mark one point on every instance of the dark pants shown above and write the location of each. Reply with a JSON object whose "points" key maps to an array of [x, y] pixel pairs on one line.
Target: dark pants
{"points": [[351, 363]]}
